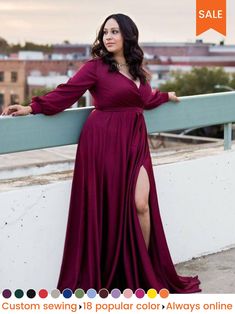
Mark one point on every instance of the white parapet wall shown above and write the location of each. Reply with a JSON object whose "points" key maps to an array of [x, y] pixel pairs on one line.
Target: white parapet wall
{"points": [[197, 203]]}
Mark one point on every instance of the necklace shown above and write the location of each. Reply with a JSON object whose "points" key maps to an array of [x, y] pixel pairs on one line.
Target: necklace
{"points": [[119, 65]]}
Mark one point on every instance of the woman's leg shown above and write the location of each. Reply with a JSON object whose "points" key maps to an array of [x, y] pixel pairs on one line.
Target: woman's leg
{"points": [[142, 203]]}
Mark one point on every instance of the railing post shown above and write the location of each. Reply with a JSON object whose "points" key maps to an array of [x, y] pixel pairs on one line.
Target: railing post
{"points": [[227, 136]]}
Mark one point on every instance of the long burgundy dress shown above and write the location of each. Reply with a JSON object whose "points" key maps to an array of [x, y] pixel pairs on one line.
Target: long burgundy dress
{"points": [[104, 246]]}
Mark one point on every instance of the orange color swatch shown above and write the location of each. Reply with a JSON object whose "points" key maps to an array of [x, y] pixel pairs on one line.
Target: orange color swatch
{"points": [[211, 14]]}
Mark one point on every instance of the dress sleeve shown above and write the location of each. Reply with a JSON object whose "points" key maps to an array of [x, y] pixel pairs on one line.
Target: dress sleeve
{"points": [[65, 95], [155, 99]]}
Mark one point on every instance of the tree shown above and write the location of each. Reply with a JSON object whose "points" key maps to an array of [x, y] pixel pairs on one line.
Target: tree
{"points": [[232, 81], [14, 48], [4, 47], [198, 81], [30, 46], [36, 92]]}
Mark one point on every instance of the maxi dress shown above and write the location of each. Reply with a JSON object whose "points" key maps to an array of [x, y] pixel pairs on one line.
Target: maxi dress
{"points": [[104, 245]]}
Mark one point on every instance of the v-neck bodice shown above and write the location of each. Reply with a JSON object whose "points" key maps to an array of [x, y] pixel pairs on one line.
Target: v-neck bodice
{"points": [[108, 89], [138, 86]]}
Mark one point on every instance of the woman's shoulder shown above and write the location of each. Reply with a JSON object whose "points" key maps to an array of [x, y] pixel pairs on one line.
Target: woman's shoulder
{"points": [[96, 60], [96, 64], [93, 66]]}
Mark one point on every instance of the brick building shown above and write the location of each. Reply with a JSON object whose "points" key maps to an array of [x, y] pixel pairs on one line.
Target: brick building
{"points": [[81, 49], [12, 82], [14, 75]]}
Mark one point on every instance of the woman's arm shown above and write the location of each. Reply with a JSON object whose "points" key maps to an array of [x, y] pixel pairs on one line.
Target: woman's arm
{"points": [[64, 96], [156, 98]]}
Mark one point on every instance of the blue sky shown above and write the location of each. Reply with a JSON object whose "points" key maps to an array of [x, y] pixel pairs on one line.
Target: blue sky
{"points": [[52, 21]]}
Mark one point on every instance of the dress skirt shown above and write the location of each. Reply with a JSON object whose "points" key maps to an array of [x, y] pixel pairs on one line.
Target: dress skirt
{"points": [[104, 246]]}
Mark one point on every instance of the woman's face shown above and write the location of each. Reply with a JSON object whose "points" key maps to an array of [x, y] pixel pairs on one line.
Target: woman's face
{"points": [[112, 37]]}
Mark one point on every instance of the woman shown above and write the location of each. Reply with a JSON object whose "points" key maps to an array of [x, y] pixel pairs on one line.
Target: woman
{"points": [[114, 235]]}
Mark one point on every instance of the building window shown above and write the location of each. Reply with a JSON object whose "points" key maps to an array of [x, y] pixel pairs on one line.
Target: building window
{"points": [[14, 77], [14, 99], [1, 100], [1, 76]]}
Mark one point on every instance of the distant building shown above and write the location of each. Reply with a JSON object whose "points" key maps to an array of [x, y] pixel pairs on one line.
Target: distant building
{"points": [[12, 82], [2, 56], [163, 58], [72, 51], [30, 55], [21, 74]]}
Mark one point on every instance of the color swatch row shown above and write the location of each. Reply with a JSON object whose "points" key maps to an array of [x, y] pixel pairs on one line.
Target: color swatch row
{"points": [[90, 293]]}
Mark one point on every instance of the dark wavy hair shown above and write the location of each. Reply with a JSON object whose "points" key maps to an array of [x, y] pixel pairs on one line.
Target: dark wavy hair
{"points": [[132, 52]]}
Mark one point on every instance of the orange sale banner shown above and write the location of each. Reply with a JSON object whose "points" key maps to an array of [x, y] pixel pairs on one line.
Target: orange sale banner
{"points": [[211, 14]]}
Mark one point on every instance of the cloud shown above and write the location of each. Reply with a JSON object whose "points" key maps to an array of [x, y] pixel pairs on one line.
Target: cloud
{"points": [[43, 6]]}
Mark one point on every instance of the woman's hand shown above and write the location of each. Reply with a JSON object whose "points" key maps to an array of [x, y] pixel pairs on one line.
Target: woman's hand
{"points": [[17, 110], [173, 97]]}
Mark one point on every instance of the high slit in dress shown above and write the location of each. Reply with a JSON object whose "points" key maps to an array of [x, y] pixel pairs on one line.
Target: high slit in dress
{"points": [[104, 245]]}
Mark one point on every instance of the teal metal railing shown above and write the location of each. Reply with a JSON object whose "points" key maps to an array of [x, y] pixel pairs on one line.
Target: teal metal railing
{"points": [[40, 131]]}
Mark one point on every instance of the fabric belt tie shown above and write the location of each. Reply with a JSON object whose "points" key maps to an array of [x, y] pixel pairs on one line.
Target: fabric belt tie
{"points": [[118, 109]]}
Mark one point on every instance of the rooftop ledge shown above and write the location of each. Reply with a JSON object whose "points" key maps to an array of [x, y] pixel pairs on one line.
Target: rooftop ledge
{"points": [[42, 145], [41, 131], [49, 165]]}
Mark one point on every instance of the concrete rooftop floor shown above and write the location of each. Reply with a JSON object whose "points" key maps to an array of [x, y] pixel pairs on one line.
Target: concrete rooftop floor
{"points": [[215, 271]]}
